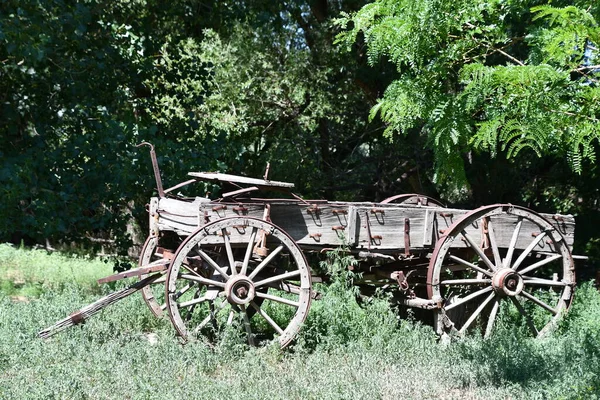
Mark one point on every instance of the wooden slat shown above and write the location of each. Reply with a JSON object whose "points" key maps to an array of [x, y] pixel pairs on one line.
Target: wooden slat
{"points": [[159, 265], [91, 309], [217, 176], [427, 224]]}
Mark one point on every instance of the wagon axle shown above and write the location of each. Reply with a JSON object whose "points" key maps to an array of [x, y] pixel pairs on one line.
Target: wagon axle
{"points": [[507, 282], [240, 290]]}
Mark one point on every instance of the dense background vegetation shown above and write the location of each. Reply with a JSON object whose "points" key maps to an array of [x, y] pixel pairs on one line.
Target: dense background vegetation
{"points": [[470, 101], [473, 102], [345, 350]]}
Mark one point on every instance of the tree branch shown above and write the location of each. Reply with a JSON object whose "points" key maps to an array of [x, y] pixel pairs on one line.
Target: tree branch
{"points": [[508, 56]]}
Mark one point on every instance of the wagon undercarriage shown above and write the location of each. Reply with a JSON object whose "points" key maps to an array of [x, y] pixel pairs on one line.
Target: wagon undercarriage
{"points": [[240, 259]]}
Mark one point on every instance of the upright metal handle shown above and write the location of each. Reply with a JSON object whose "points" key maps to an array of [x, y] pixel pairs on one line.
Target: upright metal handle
{"points": [[159, 186]]}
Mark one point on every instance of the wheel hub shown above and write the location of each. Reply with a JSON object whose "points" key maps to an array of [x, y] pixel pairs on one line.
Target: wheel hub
{"points": [[508, 282], [240, 290]]}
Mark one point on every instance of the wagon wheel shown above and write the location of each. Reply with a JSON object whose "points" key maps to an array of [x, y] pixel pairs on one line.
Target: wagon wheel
{"points": [[207, 291], [413, 198], [153, 294], [500, 260]]}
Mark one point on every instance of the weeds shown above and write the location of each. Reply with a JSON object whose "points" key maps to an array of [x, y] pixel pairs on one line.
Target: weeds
{"points": [[346, 350]]}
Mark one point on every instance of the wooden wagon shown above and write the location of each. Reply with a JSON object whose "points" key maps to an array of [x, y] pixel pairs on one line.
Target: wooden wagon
{"points": [[242, 259]]}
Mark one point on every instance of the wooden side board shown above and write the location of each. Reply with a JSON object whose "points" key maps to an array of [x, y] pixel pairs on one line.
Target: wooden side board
{"points": [[372, 226]]}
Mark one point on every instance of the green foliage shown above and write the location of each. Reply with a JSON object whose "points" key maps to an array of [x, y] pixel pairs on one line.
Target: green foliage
{"points": [[357, 352], [214, 87], [500, 77], [30, 273]]}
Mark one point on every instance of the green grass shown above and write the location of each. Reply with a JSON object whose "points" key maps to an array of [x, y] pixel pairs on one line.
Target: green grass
{"points": [[345, 351], [29, 273]]}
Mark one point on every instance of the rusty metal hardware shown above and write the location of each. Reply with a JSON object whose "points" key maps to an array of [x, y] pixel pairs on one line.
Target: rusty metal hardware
{"points": [[240, 209], [377, 210], [315, 236], [219, 207], [339, 211], [338, 227], [406, 237], [399, 277], [446, 215], [77, 318], [558, 218], [313, 209], [485, 238]]}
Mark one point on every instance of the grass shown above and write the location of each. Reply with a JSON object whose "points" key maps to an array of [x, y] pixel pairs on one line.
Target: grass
{"points": [[345, 351], [29, 273]]}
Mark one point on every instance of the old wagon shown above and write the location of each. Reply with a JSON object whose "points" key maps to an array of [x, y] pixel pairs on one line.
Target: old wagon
{"points": [[241, 259]]}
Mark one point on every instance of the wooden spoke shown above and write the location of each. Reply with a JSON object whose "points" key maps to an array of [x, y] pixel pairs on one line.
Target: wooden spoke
{"points": [[493, 243], [249, 251], [263, 314], [478, 250], [492, 317], [202, 280], [278, 299], [543, 282], [527, 317], [473, 281], [213, 264], [229, 251], [212, 315], [230, 317], [281, 277], [538, 302], [246, 320], [476, 313], [265, 262], [468, 298], [193, 271], [189, 312], [192, 302], [470, 265], [183, 290], [539, 264], [528, 250], [513, 243]]}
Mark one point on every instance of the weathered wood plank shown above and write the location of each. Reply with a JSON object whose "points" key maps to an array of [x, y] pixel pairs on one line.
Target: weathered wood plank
{"points": [[91, 309], [158, 265], [217, 176], [343, 223]]}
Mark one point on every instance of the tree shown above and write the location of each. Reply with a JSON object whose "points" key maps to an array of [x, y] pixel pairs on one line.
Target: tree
{"points": [[212, 86], [510, 78]]}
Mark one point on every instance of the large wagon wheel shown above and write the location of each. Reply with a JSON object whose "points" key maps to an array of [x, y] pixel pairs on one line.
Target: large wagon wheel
{"points": [[211, 285], [510, 261]]}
